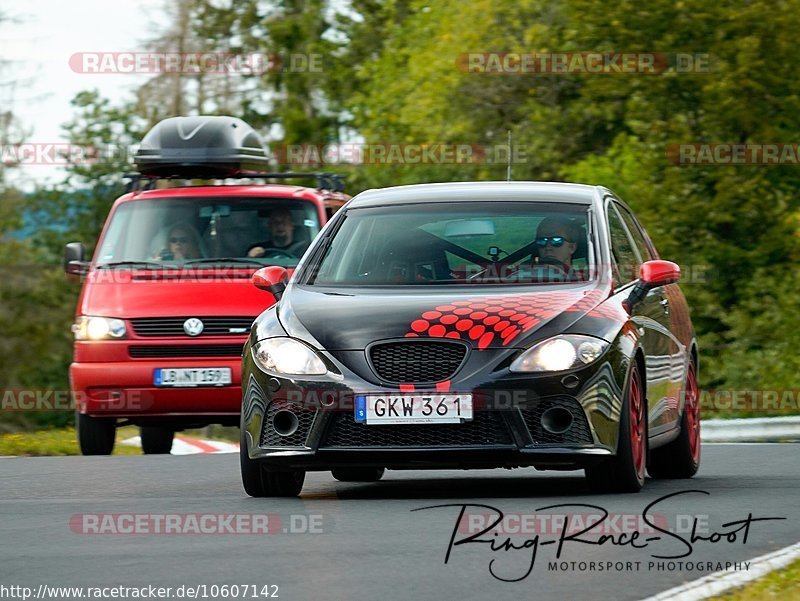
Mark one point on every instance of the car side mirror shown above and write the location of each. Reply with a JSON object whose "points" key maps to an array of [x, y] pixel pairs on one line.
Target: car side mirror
{"points": [[74, 264], [272, 279], [652, 274]]}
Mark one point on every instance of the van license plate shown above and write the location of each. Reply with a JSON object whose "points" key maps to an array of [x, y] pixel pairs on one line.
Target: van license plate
{"points": [[192, 376]]}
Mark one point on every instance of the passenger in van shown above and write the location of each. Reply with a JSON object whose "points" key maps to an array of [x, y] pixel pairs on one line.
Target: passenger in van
{"points": [[183, 242], [282, 237]]}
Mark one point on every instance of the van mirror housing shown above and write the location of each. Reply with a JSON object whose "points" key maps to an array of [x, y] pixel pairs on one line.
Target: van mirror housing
{"points": [[74, 263]]}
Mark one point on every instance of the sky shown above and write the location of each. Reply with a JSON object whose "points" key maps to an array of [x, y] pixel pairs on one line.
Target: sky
{"points": [[36, 46]]}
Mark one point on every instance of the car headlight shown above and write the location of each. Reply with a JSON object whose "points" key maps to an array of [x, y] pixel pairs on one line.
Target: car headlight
{"points": [[90, 327], [560, 353], [288, 356]]}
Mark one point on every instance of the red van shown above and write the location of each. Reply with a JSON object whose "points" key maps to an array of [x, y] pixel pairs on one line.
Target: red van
{"points": [[167, 301]]}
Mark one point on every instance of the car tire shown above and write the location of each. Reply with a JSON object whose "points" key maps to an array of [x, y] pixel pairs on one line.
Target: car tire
{"points": [[156, 440], [625, 472], [95, 434], [260, 481], [681, 457], [358, 474]]}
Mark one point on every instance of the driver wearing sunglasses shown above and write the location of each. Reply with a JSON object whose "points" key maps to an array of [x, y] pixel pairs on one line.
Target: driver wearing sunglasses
{"points": [[556, 241]]}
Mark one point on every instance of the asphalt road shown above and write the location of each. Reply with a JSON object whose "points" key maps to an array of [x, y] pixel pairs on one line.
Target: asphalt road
{"points": [[367, 543]]}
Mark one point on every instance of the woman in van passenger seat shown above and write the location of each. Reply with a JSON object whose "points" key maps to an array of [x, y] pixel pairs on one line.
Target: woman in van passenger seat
{"points": [[183, 242]]}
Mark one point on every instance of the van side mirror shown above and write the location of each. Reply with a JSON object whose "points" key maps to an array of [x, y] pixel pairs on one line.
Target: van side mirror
{"points": [[74, 264], [652, 274], [272, 279]]}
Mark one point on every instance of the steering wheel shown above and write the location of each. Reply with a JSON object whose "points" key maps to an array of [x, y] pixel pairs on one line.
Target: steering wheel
{"points": [[276, 252], [553, 263]]}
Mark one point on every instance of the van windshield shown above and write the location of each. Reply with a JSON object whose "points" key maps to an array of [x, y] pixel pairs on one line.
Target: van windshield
{"points": [[182, 231]]}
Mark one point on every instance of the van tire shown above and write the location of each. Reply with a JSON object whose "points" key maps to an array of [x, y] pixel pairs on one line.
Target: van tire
{"points": [[95, 434], [156, 440]]}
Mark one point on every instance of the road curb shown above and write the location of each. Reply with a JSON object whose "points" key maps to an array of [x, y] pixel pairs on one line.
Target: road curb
{"points": [[722, 582], [756, 429]]}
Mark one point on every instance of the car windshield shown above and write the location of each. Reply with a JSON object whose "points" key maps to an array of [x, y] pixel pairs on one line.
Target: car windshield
{"points": [[155, 233], [459, 243]]}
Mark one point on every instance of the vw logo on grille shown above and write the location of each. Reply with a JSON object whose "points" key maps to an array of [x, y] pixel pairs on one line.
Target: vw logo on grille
{"points": [[193, 326]]}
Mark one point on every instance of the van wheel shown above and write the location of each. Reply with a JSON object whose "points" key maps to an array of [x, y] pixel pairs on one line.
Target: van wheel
{"points": [[681, 457], [156, 440], [358, 474], [260, 481], [625, 471], [95, 434]]}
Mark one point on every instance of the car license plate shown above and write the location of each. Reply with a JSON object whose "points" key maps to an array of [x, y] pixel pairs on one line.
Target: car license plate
{"points": [[413, 409], [192, 376]]}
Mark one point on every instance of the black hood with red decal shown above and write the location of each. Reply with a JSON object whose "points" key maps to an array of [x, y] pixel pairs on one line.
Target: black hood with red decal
{"points": [[351, 319]]}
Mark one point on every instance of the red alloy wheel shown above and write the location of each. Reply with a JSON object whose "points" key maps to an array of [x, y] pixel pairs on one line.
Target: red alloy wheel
{"points": [[638, 438], [692, 410]]}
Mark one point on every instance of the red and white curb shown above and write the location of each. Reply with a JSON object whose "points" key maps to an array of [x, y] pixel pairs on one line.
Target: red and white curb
{"points": [[721, 582], [191, 446]]}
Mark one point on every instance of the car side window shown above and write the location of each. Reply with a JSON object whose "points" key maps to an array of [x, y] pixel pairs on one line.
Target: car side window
{"points": [[636, 233], [625, 255]]}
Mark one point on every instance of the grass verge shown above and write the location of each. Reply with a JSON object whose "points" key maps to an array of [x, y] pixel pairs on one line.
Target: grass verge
{"points": [[781, 584]]}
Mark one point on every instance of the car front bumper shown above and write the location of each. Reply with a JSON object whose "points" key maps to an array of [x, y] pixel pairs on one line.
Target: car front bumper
{"points": [[506, 430]]}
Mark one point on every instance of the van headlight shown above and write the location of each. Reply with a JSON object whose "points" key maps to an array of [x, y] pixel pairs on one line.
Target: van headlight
{"points": [[90, 327], [560, 353], [287, 356]]}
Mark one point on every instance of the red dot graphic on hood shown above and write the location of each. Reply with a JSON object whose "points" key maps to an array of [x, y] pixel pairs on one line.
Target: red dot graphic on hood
{"points": [[476, 332], [485, 340], [437, 331], [420, 325], [489, 320], [464, 325], [500, 326]]}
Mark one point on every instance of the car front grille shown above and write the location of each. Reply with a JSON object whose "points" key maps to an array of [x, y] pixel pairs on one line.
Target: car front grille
{"points": [[486, 429], [416, 361], [186, 350], [173, 326], [577, 434]]}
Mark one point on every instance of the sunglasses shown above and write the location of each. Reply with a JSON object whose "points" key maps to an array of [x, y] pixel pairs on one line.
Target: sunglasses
{"points": [[554, 241], [179, 240]]}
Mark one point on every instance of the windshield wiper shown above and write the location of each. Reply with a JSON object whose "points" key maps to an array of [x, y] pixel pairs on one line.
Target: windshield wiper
{"points": [[145, 264], [225, 260]]}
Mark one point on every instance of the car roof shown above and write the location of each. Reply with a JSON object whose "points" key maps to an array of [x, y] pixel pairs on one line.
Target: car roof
{"points": [[478, 191]]}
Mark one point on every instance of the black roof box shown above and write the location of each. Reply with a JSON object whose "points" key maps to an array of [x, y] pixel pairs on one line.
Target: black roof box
{"points": [[200, 147]]}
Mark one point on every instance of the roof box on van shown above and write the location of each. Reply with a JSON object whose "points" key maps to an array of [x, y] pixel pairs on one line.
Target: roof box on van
{"points": [[200, 147]]}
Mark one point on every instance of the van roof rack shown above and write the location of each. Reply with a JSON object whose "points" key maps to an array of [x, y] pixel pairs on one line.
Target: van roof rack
{"points": [[325, 181]]}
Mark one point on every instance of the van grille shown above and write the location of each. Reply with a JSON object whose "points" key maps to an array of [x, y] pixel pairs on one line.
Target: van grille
{"points": [[186, 350], [173, 326]]}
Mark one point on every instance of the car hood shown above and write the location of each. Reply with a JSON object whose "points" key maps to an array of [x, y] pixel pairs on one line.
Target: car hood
{"points": [[128, 294], [352, 319]]}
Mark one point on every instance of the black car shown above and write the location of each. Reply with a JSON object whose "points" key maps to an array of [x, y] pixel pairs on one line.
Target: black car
{"points": [[473, 325]]}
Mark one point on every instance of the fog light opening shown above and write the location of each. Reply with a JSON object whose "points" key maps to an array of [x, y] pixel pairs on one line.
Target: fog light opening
{"points": [[556, 420], [285, 423]]}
